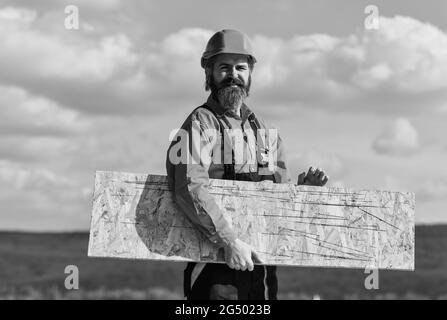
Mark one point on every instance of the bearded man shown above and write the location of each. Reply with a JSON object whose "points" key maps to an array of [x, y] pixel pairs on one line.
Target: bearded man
{"points": [[228, 62]]}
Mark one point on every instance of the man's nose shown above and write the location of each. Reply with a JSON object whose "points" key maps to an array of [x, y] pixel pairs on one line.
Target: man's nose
{"points": [[233, 72]]}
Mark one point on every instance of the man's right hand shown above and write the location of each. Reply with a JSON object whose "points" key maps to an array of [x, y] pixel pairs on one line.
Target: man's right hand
{"points": [[238, 255]]}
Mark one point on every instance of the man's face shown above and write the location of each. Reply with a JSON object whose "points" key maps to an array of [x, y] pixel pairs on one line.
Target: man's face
{"points": [[231, 79]]}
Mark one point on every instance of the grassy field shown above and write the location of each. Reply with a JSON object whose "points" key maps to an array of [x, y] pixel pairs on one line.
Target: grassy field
{"points": [[32, 267]]}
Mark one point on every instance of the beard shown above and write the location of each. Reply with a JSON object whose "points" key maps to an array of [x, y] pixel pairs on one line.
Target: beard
{"points": [[230, 92]]}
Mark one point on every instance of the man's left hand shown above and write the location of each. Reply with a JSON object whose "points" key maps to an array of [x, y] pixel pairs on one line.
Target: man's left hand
{"points": [[314, 177]]}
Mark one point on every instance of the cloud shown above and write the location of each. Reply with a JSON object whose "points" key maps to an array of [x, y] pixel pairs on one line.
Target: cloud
{"points": [[105, 97], [400, 67], [52, 57], [176, 60], [24, 114], [10, 14], [392, 183], [72, 69], [26, 149], [22, 178], [100, 73], [425, 189], [400, 139], [39, 187], [432, 189], [331, 163], [41, 198], [84, 5]]}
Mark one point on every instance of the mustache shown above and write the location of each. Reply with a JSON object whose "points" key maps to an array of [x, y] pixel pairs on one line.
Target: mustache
{"points": [[233, 81]]}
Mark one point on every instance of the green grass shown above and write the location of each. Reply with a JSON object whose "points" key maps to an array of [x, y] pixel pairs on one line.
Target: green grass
{"points": [[32, 267]]}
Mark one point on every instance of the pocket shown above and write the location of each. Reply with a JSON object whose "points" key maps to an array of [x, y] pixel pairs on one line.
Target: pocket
{"points": [[223, 292]]}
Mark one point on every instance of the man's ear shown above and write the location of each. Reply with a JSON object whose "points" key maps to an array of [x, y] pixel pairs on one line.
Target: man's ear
{"points": [[251, 67], [208, 75]]}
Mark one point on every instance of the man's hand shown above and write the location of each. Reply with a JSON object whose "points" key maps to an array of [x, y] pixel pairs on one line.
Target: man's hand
{"points": [[313, 177], [239, 256]]}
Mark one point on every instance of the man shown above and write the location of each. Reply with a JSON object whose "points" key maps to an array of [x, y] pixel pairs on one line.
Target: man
{"points": [[228, 62]]}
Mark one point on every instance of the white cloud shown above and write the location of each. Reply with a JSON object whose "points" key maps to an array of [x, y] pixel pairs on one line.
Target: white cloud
{"points": [[176, 60], [24, 114], [61, 92], [80, 71], [41, 198], [38, 186], [11, 15], [331, 163], [99, 5], [46, 56], [39, 149], [432, 189], [85, 6], [392, 183], [400, 138], [401, 66], [28, 178], [99, 73]]}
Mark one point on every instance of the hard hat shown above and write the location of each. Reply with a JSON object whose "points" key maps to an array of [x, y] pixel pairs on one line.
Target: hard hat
{"points": [[227, 41]]}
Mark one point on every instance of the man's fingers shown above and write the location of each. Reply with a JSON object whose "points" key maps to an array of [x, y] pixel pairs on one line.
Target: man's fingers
{"points": [[311, 171], [310, 175], [316, 176], [242, 265], [301, 178], [250, 266], [321, 175], [243, 258]]}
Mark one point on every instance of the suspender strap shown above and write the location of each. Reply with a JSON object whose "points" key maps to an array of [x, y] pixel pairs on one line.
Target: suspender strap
{"points": [[229, 172], [254, 124]]}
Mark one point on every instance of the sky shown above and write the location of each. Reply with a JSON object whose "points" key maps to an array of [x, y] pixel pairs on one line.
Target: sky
{"points": [[367, 105]]}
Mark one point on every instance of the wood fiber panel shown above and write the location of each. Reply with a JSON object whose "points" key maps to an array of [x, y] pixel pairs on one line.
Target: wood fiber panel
{"points": [[134, 217]]}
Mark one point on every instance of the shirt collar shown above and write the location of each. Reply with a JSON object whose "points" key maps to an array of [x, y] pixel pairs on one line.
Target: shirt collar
{"points": [[220, 111]]}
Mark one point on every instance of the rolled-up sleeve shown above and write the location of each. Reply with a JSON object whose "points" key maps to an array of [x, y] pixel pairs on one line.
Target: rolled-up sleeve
{"points": [[189, 178], [280, 167], [282, 174]]}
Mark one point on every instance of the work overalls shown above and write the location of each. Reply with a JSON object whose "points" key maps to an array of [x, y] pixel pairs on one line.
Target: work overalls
{"points": [[220, 282]]}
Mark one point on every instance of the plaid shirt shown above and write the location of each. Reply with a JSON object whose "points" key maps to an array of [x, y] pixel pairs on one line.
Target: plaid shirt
{"points": [[189, 181]]}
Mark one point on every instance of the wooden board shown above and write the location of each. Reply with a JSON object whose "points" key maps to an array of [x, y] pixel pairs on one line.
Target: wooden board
{"points": [[134, 217]]}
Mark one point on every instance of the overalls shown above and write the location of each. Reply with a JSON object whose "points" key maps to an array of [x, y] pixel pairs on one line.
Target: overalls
{"points": [[220, 282]]}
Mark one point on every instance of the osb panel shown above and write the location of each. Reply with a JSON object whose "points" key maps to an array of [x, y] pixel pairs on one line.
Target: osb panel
{"points": [[134, 216]]}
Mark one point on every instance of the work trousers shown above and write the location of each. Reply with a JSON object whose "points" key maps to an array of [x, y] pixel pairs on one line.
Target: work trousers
{"points": [[219, 282]]}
